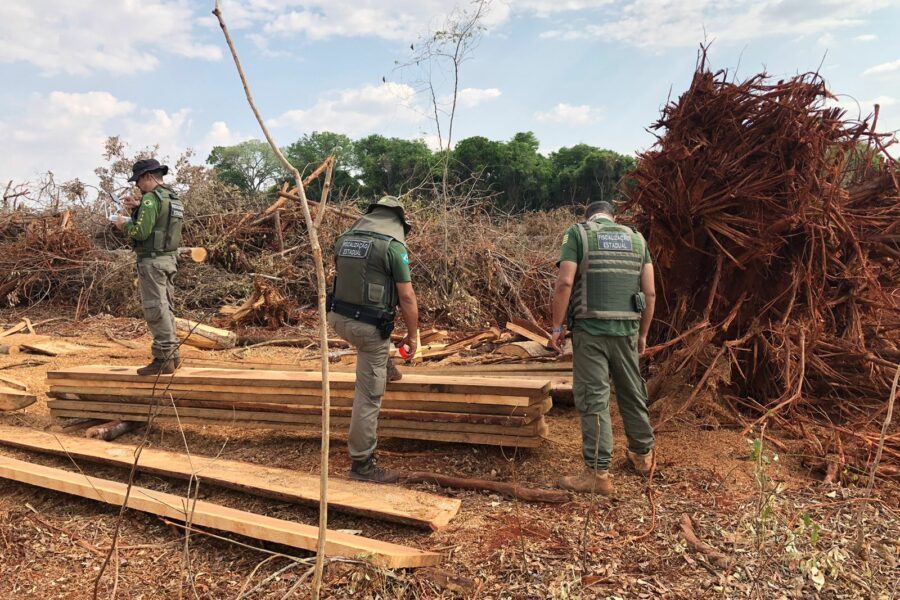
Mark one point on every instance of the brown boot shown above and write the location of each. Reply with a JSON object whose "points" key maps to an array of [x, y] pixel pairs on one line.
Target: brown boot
{"points": [[642, 463], [588, 482], [393, 373], [159, 366]]}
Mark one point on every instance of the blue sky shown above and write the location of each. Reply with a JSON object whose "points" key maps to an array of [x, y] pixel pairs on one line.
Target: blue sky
{"points": [[593, 71]]}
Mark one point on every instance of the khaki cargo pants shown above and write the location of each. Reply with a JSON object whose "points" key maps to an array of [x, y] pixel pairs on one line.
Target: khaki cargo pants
{"points": [[371, 378], [156, 280], [595, 359]]}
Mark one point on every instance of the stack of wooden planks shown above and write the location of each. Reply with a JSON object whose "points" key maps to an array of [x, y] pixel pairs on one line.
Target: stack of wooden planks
{"points": [[469, 409]]}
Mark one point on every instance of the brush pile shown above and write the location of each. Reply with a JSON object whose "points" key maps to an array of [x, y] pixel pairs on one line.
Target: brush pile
{"points": [[774, 226]]}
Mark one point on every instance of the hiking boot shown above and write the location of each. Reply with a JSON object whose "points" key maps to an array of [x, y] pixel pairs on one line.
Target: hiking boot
{"points": [[159, 366], [393, 373], [642, 463], [589, 481], [177, 361], [368, 470]]}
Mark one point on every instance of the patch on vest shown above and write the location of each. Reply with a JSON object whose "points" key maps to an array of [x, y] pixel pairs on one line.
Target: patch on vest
{"points": [[355, 249], [616, 242]]}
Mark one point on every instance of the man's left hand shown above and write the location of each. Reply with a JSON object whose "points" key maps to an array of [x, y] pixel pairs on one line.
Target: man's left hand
{"points": [[120, 222], [642, 345], [557, 339]]}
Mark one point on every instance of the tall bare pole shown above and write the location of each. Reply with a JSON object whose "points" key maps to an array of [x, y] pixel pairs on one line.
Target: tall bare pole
{"points": [[323, 325]]}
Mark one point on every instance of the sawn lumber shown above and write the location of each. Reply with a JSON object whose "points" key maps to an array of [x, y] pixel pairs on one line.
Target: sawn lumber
{"points": [[306, 379], [214, 516], [507, 441], [385, 502]]}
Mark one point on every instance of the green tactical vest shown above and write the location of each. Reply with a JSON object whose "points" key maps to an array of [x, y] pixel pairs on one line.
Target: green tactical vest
{"points": [[165, 238], [609, 275], [361, 260]]}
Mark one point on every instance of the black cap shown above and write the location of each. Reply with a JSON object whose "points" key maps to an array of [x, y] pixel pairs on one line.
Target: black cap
{"points": [[146, 165]]}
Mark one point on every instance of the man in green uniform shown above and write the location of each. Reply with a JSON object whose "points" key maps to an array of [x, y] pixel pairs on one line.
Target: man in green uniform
{"points": [[605, 287], [372, 278], [155, 231]]}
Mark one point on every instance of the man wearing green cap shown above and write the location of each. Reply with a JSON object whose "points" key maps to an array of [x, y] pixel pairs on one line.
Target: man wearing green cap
{"points": [[605, 287], [372, 278], [155, 231]]}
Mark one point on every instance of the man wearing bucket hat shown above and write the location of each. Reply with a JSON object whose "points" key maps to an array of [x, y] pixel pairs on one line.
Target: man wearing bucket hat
{"points": [[155, 232], [372, 278]]}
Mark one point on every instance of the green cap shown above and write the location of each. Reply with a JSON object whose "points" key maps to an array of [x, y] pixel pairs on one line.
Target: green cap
{"points": [[393, 204]]}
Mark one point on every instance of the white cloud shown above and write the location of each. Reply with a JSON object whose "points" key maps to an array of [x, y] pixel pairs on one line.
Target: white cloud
{"points": [[356, 111], [65, 133], [471, 97], [888, 67], [826, 39], [671, 23], [888, 116], [568, 114], [866, 37], [77, 38]]}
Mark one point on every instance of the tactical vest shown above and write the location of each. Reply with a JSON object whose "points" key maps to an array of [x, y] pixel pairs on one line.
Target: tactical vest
{"points": [[361, 261], [608, 279], [165, 237]]}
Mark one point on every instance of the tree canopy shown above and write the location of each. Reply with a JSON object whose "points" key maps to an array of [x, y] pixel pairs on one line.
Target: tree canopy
{"points": [[512, 172]]}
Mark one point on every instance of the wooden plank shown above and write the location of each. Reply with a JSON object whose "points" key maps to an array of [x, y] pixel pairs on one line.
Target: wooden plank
{"points": [[508, 441], [13, 399], [524, 369], [214, 516], [306, 379], [116, 395], [224, 414], [531, 326], [528, 334], [15, 384], [285, 394], [385, 502], [430, 416], [52, 347]]}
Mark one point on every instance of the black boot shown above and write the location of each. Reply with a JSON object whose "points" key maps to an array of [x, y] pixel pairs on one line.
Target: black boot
{"points": [[177, 361], [368, 470], [159, 366]]}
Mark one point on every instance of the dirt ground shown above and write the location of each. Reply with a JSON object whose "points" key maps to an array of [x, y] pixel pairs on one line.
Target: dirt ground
{"points": [[783, 533]]}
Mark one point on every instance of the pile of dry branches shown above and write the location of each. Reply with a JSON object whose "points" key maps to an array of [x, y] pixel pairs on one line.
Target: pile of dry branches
{"points": [[774, 225]]}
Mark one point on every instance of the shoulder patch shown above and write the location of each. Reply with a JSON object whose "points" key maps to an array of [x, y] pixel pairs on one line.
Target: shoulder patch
{"points": [[148, 202], [405, 258]]}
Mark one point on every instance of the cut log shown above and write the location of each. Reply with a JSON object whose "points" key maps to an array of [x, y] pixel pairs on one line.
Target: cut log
{"points": [[52, 348], [109, 431], [195, 254], [507, 489], [527, 349], [13, 399], [204, 336], [385, 502], [70, 425], [214, 516], [8, 350]]}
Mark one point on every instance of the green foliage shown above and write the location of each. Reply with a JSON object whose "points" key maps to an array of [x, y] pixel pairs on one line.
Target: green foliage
{"points": [[513, 173], [250, 166]]}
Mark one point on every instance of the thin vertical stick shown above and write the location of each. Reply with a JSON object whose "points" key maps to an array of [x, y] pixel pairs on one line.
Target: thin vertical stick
{"points": [[323, 325]]}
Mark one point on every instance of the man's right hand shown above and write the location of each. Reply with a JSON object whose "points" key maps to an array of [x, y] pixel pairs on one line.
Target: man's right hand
{"points": [[133, 201], [410, 342], [557, 339]]}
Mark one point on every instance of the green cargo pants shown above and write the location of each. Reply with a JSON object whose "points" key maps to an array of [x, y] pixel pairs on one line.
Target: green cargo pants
{"points": [[156, 279], [595, 359], [371, 378]]}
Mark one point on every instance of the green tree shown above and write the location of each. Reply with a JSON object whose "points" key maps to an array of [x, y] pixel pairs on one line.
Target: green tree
{"points": [[392, 165], [310, 150], [584, 173], [250, 166]]}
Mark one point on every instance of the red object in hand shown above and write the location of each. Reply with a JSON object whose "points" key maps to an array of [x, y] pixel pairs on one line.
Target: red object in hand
{"points": [[404, 349]]}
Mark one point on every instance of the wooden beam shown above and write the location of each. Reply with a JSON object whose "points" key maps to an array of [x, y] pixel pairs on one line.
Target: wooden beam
{"points": [[528, 334], [306, 379], [385, 502], [214, 516], [508, 441]]}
